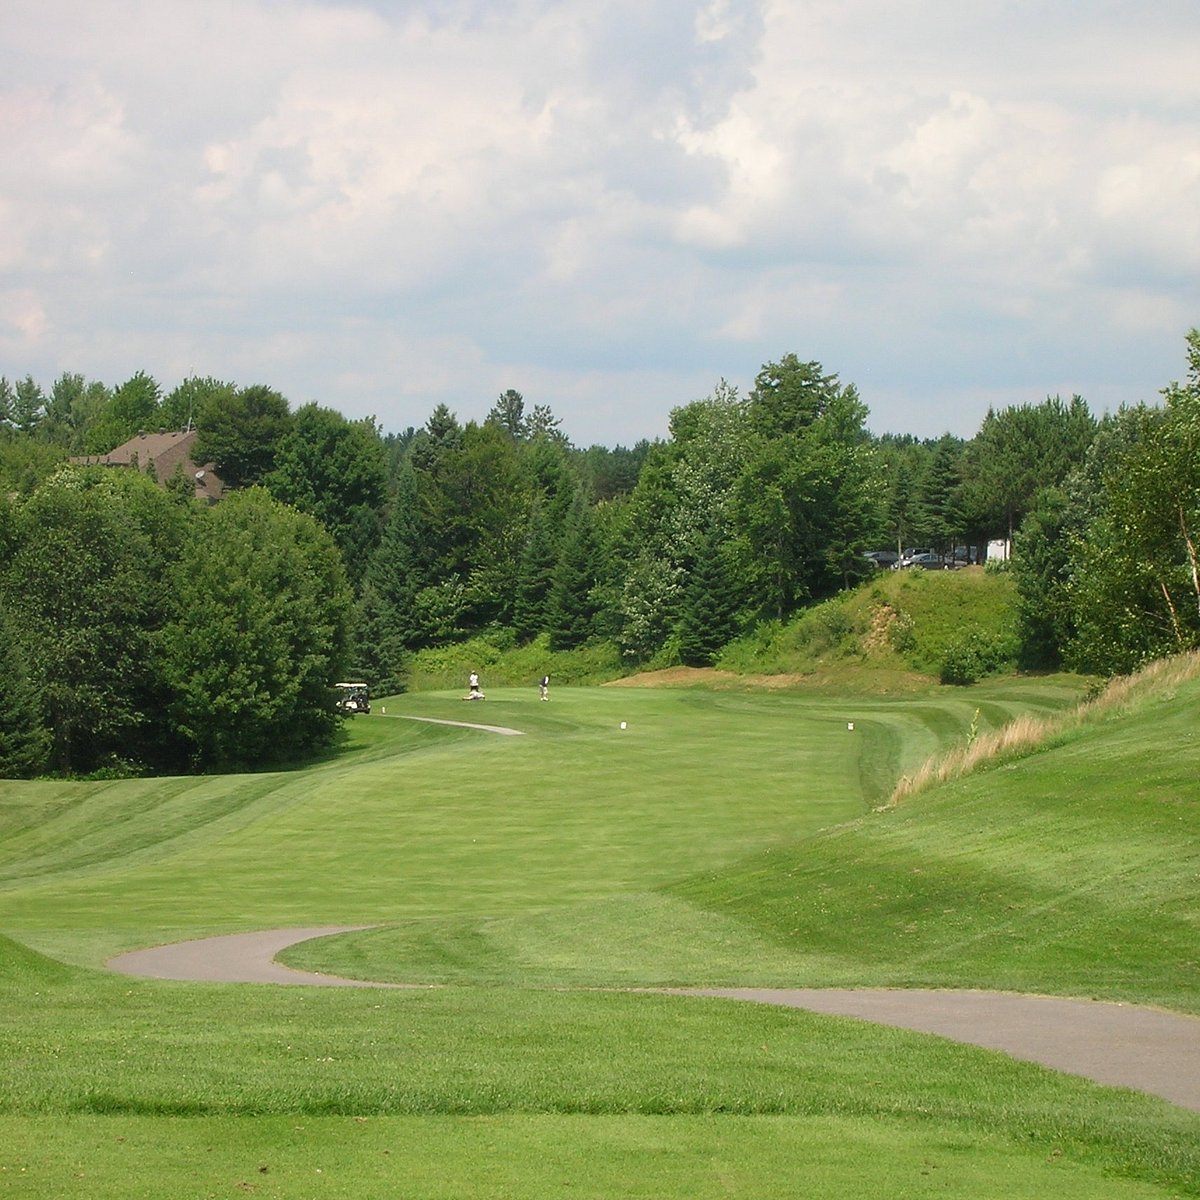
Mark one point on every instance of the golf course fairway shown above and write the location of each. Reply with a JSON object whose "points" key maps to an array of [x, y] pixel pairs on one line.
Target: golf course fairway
{"points": [[534, 885]]}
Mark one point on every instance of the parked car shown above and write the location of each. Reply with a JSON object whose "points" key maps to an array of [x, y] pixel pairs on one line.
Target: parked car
{"points": [[927, 560], [882, 558], [906, 559]]}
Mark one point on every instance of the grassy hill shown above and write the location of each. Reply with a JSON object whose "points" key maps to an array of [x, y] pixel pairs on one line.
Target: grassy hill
{"points": [[894, 633], [735, 836], [899, 622]]}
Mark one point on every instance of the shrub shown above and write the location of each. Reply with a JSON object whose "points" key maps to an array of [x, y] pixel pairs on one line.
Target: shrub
{"points": [[974, 655], [902, 632]]}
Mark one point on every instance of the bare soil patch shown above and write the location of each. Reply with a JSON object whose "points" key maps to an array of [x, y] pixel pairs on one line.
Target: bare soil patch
{"points": [[843, 677]]}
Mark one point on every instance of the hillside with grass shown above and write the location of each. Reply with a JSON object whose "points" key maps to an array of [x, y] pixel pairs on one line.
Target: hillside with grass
{"points": [[914, 622], [899, 631], [736, 836]]}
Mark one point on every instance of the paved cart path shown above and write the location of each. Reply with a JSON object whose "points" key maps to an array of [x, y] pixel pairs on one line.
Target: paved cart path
{"points": [[501, 729], [236, 958], [1126, 1045]]}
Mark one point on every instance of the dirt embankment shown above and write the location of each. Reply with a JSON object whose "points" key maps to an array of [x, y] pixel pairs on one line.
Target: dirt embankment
{"points": [[842, 678]]}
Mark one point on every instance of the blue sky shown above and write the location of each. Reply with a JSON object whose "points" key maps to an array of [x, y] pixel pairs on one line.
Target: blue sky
{"points": [[609, 207]]}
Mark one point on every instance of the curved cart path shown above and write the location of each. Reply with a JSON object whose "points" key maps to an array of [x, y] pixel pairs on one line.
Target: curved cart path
{"points": [[502, 729], [1126, 1045], [237, 958]]}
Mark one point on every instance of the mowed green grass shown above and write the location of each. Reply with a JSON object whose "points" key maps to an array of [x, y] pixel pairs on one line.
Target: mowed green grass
{"points": [[422, 821], [721, 837]]}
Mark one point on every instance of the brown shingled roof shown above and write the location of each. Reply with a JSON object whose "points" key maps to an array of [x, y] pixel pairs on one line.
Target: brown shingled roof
{"points": [[167, 451]]}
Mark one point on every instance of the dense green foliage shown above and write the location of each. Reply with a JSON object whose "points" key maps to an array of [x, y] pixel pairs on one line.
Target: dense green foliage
{"points": [[152, 633], [85, 583], [897, 630], [258, 633], [752, 511], [24, 739]]}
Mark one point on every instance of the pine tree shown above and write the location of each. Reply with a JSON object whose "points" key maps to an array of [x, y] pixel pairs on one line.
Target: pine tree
{"points": [[535, 575], [556, 491], [394, 576], [571, 610], [709, 616]]}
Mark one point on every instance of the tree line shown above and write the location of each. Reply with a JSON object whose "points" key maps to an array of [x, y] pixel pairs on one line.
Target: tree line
{"points": [[342, 549]]}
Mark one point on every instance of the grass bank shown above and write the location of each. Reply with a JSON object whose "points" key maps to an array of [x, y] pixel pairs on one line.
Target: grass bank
{"points": [[897, 633]]}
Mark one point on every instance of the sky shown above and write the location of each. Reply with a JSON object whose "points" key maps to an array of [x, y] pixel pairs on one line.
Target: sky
{"points": [[609, 207]]}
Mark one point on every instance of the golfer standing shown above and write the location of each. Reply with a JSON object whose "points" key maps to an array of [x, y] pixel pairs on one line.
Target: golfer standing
{"points": [[544, 687]]}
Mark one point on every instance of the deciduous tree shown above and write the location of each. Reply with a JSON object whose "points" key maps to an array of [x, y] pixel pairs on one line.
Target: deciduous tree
{"points": [[241, 433], [260, 634], [334, 469], [132, 407], [24, 739], [85, 589]]}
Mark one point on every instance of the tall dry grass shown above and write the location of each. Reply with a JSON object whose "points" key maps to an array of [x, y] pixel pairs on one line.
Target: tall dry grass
{"points": [[1027, 734]]}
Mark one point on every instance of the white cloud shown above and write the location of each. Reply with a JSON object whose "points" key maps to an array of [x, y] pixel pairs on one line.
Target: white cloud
{"points": [[22, 321], [387, 205]]}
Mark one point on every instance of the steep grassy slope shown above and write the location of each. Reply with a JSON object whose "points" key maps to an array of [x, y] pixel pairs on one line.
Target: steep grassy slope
{"points": [[1075, 870]]}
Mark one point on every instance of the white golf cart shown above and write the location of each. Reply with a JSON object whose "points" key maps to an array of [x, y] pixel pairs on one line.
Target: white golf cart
{"points": [[354, 697]]}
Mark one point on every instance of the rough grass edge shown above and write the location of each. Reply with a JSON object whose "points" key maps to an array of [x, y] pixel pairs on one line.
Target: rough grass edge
{"points": [[1028, 734]]}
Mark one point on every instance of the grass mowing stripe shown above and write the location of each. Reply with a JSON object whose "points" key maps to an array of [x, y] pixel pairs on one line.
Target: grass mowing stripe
{"points": [[63, 830], [730, 797], [490, 825], [1074, 871]]}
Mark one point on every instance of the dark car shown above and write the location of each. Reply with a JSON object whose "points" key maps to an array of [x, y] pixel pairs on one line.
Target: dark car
{"points": [[882, 558], [927, 560]]}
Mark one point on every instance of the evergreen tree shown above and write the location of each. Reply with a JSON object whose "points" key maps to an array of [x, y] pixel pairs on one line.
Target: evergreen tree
{"points": [[571, 608], [612, 473], [535, 573], [708, 619], [388, 615], [555, 492], [379, 653], [543, 423], [939, 517], [509, 413], [900, 463]]}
